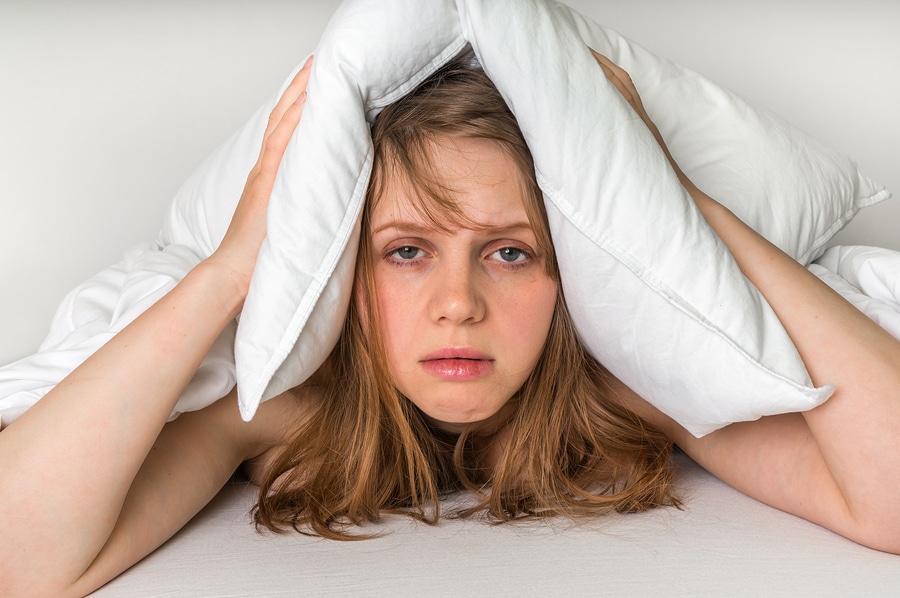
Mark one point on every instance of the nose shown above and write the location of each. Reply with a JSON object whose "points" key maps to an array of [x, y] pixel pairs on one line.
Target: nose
{"points": [[457, 294]]}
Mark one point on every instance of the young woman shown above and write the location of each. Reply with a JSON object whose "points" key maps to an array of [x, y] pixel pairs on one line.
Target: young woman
{"points": [[458, 367]]}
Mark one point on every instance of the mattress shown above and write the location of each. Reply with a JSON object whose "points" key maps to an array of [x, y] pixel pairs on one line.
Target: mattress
{"points": [[721, 543]]}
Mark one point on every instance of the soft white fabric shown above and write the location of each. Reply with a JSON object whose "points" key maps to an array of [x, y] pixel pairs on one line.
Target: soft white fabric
{"points": [[868, 277], [722, 543], [654, 294], [95, 311]]}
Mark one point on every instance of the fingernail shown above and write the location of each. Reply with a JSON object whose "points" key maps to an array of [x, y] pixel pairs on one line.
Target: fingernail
{"points": [[308, 61], [301, 99]]}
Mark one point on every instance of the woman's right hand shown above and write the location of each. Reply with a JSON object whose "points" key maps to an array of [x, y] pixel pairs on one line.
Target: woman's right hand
{"points": [[91, 483], [240, 246]]}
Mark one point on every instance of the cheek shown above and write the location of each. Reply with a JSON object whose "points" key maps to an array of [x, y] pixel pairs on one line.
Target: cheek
{"points": [[382, 308], [393, 307], [546, 307], [530, 322], [541, 301]]}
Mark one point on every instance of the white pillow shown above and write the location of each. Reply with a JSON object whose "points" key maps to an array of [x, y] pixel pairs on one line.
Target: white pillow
{"points": [[785, 184], [654, 294]]}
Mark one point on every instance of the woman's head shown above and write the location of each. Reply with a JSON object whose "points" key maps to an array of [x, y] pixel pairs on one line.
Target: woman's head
{"points": [[457, 270], [457, 306]]}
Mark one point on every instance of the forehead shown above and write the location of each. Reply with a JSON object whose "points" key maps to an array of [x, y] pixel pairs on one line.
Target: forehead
{"points": [[472, 183]]}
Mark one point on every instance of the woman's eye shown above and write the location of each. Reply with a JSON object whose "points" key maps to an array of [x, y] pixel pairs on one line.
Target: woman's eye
{"points": [[407, 252], [511, 255]]}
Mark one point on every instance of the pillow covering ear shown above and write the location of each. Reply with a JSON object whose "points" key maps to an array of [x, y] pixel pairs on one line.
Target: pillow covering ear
{"points": [[654, 294], [647, 281]]}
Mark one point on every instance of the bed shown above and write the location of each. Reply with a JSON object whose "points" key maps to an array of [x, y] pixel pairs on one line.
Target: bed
{"points": [[103, 97]]}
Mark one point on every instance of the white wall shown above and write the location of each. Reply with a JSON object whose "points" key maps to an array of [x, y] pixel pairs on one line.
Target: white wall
{"points": [[106, 107]]}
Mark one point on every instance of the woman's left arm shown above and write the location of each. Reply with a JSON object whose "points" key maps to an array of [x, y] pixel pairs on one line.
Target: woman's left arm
{"points": [[838, 464]]}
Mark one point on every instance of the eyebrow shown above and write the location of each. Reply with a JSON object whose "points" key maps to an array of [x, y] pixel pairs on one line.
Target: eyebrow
{"points": [[419, 228]]}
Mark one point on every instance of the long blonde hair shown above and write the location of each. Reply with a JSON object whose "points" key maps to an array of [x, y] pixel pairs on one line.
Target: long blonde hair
{"points": [[570, 449]]}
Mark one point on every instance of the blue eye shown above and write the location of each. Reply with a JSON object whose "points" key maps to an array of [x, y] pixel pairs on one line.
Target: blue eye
{"points": [[511, 255], [407, 252]]}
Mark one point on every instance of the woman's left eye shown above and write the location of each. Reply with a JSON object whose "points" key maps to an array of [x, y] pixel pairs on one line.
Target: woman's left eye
{"points": [[510, 255]]}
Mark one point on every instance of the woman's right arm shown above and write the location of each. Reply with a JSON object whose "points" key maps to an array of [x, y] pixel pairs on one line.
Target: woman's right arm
{"points": [[89, 483]]}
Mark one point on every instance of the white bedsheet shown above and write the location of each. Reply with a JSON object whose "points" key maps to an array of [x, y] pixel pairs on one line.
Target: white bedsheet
{"points": [[722, 544]]}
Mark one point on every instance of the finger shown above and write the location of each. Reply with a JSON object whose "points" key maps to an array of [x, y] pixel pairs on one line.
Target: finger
{"points": [[276, 143], [620, 78], [619, 72], [613, 78], [290, 95], [609, 69]]}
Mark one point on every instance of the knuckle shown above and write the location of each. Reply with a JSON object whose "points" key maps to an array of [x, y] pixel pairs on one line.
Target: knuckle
{"points": [[273, 145], [272, 121]]}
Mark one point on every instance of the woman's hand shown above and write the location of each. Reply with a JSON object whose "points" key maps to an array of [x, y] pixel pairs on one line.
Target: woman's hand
{"points": [[90, 484], [240, 246], [623, 83]]}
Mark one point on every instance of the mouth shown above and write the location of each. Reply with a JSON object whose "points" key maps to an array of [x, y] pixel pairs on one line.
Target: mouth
{"points": [[457, 364], [457, 353]]}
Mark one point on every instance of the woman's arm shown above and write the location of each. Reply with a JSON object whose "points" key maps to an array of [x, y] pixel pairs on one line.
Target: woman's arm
{"points": [[838, 464], [89, 483], [191, 460]]}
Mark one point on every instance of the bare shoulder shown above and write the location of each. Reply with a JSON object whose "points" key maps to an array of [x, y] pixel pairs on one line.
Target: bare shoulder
{"points": [[274, 425]]}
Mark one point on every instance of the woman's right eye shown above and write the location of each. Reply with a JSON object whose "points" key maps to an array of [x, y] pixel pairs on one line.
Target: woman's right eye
{"points": [[406, 253]]}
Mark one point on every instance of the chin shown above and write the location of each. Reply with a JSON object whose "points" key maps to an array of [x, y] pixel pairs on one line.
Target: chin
{"points": [[455, 419], [457, 408]]}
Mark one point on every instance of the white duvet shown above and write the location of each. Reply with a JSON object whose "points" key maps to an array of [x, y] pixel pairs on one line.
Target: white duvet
{"points": [[868, 277]]}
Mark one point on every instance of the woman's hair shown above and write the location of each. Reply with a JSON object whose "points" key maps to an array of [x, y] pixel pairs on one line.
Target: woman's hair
{"points": [[569, 449]]}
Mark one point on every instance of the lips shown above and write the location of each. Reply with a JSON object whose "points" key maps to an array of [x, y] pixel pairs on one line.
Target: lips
{"points": [[457, 353], [457, 364]]}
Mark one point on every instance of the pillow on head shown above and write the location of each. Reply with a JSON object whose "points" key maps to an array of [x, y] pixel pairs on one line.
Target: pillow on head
{"points": [[655, 295], [786, 185]]}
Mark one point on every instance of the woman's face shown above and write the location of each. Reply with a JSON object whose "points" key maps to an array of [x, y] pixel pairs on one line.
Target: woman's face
{"points": [[464, 314]]}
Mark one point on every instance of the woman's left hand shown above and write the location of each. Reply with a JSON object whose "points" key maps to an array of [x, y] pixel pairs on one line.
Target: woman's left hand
{"points": [[623, 83], [835, 464]]}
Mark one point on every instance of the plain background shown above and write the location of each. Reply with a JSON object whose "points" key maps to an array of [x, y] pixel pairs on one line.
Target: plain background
{"points": [[106, 107]]}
